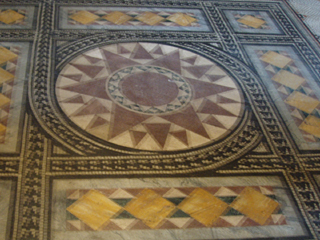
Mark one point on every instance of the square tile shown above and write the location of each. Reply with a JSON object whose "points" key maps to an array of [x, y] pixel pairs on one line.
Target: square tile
{"points": [[288, 79], [276, 59], [94, 209], [255, 205], [302, 102]]}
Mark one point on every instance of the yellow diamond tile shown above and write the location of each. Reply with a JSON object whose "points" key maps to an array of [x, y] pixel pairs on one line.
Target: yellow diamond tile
{"points": [[4, 100], [9, 16], [150, 207], [203, 206], [6, 55], [181, 19], [94, 209], [288, 79], [311, 125], [251, 21], [255, 205], [276, 59], [2, 129], [302, 102], [150, 18], [117, 17], [84, 17], [5, 76]]}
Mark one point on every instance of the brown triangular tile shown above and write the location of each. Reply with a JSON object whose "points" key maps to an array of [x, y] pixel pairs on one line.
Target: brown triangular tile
{"points": [[137, 136], [171, 61], [182, 136], [198, 71], [140, 53], [159, 131], [89, 70], [93, 107]]}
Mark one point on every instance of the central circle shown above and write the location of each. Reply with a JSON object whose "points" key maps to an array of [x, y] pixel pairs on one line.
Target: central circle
{"points": [[149, 89]]}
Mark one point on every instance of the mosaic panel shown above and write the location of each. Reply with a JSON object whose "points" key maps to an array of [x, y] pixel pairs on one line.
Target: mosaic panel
{"points": [[252, 22], [16, 17], [172, 208], [294, 90], [133, 18], [149, 96], [157, 207], [12, 83]]}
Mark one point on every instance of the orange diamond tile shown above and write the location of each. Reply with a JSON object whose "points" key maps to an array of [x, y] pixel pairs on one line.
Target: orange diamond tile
{"points": [[84, 17], [150, 18], [251, 21], [181, 19], [255, 205], [9, 16], [150, 207], [6, 55], [118, 18], [203, 206], [94, 209]]}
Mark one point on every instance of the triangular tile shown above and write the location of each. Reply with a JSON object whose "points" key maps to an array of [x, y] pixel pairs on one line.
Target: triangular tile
{"points": [[137, 136], [179, 213], [75, 77], [89, 70], [234, 220], [133, 191], [92, 60], [180, 222], [138, 224], [196, 224], [211, 120], [171, 61], [157, 50], [166, 224], [111, 226], [182, 136], [174, 193], [123, 223], [140, 53], [98, 121], [224, 192], [266, 190], [198, 71], [74, 194], [124, 214], [158, 131], [74, 225], [94, 107], [120, 193], [190, 60]]}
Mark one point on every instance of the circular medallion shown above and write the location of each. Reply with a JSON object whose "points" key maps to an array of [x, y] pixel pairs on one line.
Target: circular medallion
{"points": [[149, 96], [149, 89]]}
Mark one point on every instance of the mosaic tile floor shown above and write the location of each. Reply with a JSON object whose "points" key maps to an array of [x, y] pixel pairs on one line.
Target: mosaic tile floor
{"points": [[159, 119]]}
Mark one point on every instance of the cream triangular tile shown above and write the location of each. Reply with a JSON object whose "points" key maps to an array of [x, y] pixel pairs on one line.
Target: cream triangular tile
{"points": [[86, 98], [82, 60], [270, 68], [100, 131], [120, 193], [111, 48], [179, 222], [75, 223], [227, 121], [226, 81], [173, 144], [148, 46], [74, 195], [148, 143], [83, 121], [196, 139], [106, 116], [63, 82], [297, 114], [214, 132], [156, 119], [213, 98], [233, 94], [174, 193], [283, 90], [64, 94], [71, 70], [234, 220], [217, 71], [197, 103], [234, 108], [129, 46], [225, 192], [203, 116], [70, 108], [266, 191], [123, 223], [168, 49], [123, 139], [276, 217]]}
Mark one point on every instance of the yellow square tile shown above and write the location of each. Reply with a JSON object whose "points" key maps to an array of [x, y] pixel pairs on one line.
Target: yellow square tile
{"points": [[5, 76], [251, 21], [9, 16], [203, 206], [302, 102], [150, 18], [94, 209], [150, 207], [6, 55], [84, 17], [118, 18], [276, 59], [288, 79], [181, 19], [255, 205], [4, 100], [311, 125]]}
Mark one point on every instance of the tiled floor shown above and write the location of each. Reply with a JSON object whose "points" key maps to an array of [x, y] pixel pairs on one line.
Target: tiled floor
{"points": [[159, 119]]}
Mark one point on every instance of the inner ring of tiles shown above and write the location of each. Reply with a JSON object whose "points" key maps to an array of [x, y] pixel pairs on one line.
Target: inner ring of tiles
{"points": [[149, 96]]}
